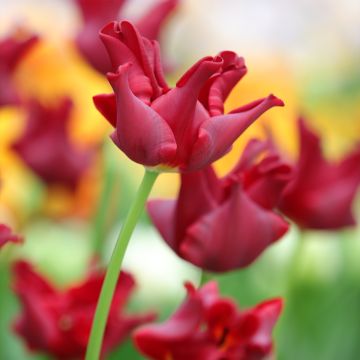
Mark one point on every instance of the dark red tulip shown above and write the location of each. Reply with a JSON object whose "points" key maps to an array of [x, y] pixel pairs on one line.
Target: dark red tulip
{"points": [[97, 13], [46, 148], [7, 236], [225, 224], [183, 128], [12, 50], [58, 322], [210, 327], [321, 194]]}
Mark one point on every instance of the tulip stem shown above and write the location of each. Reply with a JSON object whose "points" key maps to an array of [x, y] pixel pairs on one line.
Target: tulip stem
{"points": [[205, 277], [107, 291]]}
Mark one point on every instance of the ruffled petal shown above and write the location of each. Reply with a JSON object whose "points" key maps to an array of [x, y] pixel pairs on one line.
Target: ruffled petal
{"points": [[265, 182], [267, 314], [160, 340], [125, 45], [140, 132], [253, 149], [217, 134], [321, 194], [180, 107], [218, 87]]}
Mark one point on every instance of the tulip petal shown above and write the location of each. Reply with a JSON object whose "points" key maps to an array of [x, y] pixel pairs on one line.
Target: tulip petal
{"points": [[159, 340], [7, 236], [321, 194], [162, 214], [218, 87], [145, 51], [252, 150], [46, 128], [26, 277], [268, 313], [140, 132], [218, 133], [36, 325], [239, 230], [100, 12], [200, 189], [265, 181], [125, 45], [106, 104], [12, 51], [180, 107]]}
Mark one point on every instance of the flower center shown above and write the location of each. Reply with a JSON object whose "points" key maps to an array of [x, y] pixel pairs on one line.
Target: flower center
{"points": [[222, 338]]}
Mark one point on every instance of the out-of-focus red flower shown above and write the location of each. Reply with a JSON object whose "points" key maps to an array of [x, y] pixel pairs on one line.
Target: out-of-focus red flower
{"points": [[321, 194], [46, 148], [210, 327], [7, 236], [12, 49], [58, 323], [225, 224], [184, 127], [97, 13]]}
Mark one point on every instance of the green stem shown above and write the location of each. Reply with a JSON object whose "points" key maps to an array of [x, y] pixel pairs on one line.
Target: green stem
{"points": [[113, 271], [205, 277]]}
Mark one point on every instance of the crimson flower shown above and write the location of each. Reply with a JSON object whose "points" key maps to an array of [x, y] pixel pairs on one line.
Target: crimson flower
{"points": [[46, 148], [97, 13], [321, 193], [7, 236], [184, 127], [210, 327], [225, 224], [12, 49], [58, 322]]}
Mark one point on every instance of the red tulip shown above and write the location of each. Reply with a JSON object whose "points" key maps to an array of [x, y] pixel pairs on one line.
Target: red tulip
{"points": [[97, 13], [12, 51], [46, 148], [183, 128], [321, 194], [209, 327], [225, 224], [6, 236], [58, 322]]}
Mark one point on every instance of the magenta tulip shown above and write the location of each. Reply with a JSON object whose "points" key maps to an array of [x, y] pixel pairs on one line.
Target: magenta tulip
{"points": [[12, 50], [183, 128], [7, 236], [97, 13], [321, 194], [225, 224], [57, 322], [46, 148], [210, 327]]}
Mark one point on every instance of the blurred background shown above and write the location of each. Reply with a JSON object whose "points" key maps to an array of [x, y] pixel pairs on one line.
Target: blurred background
{"points": [[305, 52]]}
